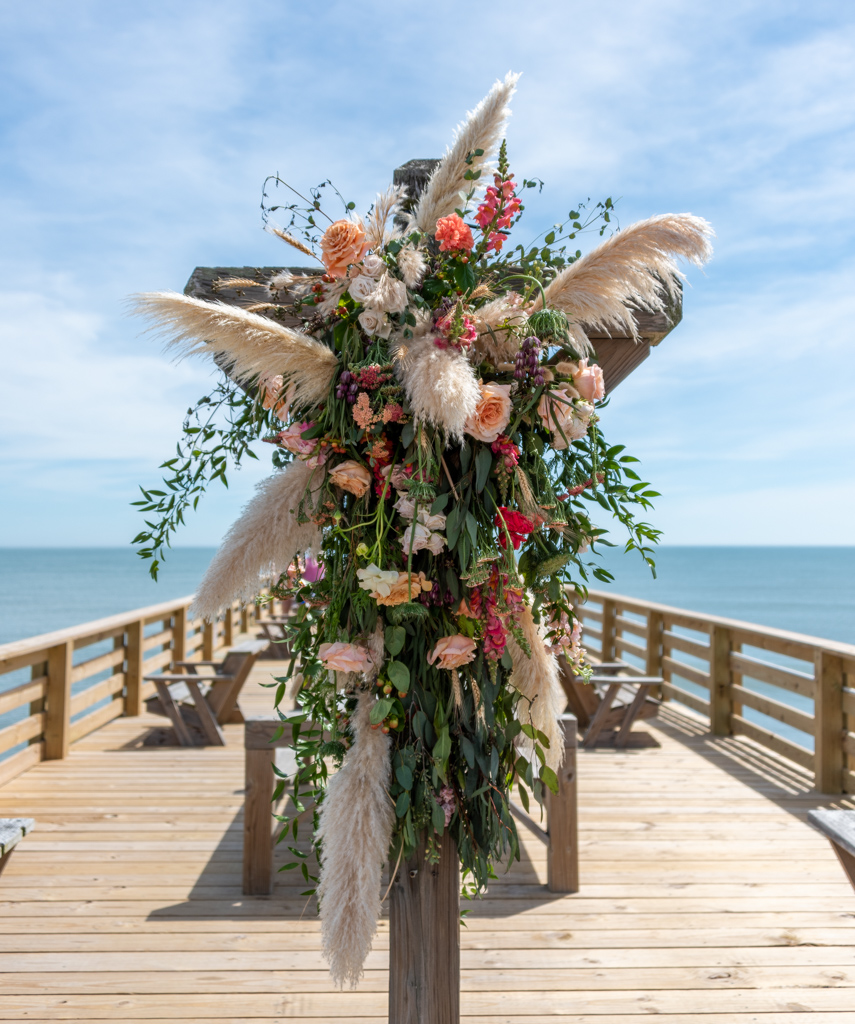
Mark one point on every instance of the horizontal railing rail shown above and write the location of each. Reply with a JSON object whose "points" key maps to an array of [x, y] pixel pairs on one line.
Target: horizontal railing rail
{"points": [[793, 694], [87, 675]]}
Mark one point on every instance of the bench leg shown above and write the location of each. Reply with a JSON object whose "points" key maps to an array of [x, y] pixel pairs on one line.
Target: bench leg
{"points": [[599, 719], [847, 861], [211, 728], [632, 713], [174, 713]]}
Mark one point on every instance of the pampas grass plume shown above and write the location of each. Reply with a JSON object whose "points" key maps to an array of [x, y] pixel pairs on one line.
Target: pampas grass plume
{"points": [[255, 344], [636, 265], [482, 129], [440, 384], [261, 543], [387, 204], [537, 680], [356, 820]]}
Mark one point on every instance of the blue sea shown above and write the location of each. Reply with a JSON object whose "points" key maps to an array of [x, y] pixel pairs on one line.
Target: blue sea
{"points": [[807, 590]]}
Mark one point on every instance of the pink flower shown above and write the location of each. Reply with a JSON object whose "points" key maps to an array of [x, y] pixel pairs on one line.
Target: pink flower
{"points": [[453, 651], [492, 414], [314, 571], [341, 657], [292, 439], [448, 803], [589, 382], [453, 234]]}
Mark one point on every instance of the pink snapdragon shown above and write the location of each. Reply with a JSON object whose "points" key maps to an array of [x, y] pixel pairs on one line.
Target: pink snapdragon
{"points": [[497, 211]]}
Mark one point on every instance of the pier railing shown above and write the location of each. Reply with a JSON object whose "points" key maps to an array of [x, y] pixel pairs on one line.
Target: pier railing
{"points": [[83, 677], [791, 693]]}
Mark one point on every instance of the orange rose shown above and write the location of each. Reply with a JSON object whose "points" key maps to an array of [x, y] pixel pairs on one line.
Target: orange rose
{"points": [[343, 243], [399, 592], [492, 414], [453, 651], [351, 476]]}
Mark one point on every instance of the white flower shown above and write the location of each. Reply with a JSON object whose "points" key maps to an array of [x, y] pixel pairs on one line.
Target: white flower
{"points": [[406, 506], [373, 322], [436, 522], [390, 295], [361, 287], [373, 265], [422, 539], [376, 580]]}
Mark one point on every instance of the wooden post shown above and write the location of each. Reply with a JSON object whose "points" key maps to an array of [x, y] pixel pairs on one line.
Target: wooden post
{"points": [[424, 939], [653, 646], [179, 635], [721, 705], [562, 816], [244, 618], [607, 646], [133, 679], [37, 706], [228, 626], [58, 701], [828, 723], [208, 636]]}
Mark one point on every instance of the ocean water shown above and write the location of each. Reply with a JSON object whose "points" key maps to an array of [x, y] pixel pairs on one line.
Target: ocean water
{"points": [[806, 590]]}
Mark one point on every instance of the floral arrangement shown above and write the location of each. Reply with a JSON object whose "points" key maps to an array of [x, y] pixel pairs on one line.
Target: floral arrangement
{"points": [[434, 416]]}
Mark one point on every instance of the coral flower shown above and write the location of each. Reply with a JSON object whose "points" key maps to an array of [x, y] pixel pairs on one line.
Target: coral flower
{"points": [[453, 651], [453, 234], [343, 243], [406, 589], [341, 657], [492, 413], [351, 476]]}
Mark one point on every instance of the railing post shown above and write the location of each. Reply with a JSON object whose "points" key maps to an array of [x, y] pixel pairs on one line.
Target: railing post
{"points": [[259, 755], [179, 635], [208, 631], [721, 705], [653, 646], [828, 723], [607, 646], [244, 618], [59, 668], [562, 856], [37, 707], [133, 679]]}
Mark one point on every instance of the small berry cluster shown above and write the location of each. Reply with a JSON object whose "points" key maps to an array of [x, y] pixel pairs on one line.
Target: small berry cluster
{"points": [[528, 362], [348, 387]]}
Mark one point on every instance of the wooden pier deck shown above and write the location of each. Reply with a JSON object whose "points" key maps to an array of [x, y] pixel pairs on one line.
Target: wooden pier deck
{"points": [[705, 896]]}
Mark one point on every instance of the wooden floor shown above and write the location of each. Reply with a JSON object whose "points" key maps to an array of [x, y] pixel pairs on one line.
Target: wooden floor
{"points": [[705, 897]]}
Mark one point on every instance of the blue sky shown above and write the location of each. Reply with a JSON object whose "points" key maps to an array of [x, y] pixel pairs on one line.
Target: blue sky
{"points": [[134, 140]]}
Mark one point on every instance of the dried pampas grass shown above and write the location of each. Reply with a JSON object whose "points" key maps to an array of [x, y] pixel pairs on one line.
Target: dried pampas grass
{"points": [[262, 543], [412, 264], [388, 203], [440, 384], [637, 265], [496, 343], [254, 344], [536, 678], [356, 820], [483, 129], [291, 240]]}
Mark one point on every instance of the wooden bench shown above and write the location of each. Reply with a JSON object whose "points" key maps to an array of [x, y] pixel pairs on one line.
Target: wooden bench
{"points": [[275, 630], [839, 828], [561, 835], [593, 703], [213, 707], [12, 831]]}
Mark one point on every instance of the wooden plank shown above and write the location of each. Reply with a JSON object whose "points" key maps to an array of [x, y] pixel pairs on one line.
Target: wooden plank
{"points": [[158, 639], [766, 672], [626, 625], [26, 693], [775, 709], [26, 729], [91, 722], [693, 675], [92, 694], [676, 642], [672, 692], [13, 766], [156, 661], [627, 647], [95, 665], [778, 744]]}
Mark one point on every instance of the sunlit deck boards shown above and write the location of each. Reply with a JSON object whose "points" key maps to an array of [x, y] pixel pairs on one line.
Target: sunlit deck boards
{"points": [[705, 897]]}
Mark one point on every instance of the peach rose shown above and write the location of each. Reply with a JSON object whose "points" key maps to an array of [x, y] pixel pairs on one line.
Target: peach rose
{"points": [[492, 414], [399, 592], [453, 651], [343, 243], [588, 381], [352, 476], [292, 439], [559, 413], [343, 657]]}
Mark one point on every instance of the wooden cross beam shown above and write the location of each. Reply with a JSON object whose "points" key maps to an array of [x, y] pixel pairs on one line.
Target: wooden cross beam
{"points": [[617, 356]]}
